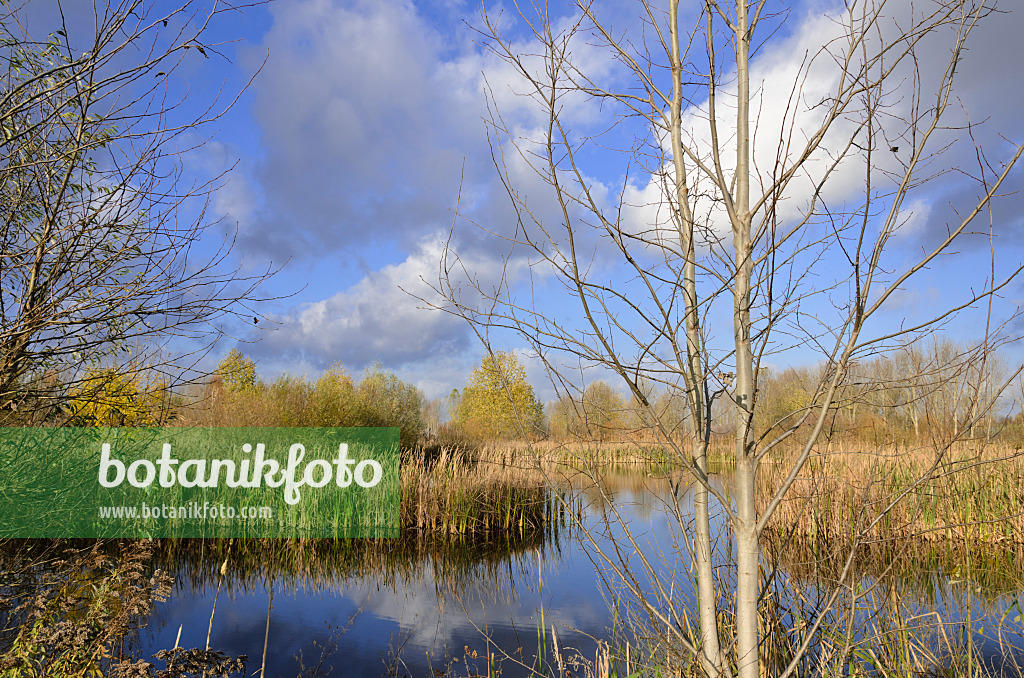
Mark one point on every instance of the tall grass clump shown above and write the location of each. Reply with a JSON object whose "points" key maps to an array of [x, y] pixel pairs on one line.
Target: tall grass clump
{"points": [[870, 624], [451, 494]]}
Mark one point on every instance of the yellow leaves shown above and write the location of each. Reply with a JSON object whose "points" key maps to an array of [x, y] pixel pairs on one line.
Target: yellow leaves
{"points": [[237, 372], [498, 401], [236, 397], [108, 398]]}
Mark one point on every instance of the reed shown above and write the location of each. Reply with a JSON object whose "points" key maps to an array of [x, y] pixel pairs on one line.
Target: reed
{"points": [[876, 629], [456, 495], [966, 492], [639, 453]]}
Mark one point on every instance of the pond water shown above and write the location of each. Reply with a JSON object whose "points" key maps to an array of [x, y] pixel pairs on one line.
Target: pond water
{"points": [[432, 610]]}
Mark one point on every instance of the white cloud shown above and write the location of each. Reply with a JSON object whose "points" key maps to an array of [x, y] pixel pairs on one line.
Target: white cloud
{"points": [[376, 319], [787, 81], [371, 119], [790, 79], [364, 132]]}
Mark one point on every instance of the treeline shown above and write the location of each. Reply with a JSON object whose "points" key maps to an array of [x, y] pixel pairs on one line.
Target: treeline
{"points": [[236, 396], [937, 388]]}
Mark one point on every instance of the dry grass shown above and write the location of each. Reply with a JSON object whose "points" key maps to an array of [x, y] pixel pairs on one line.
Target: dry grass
{"points": [[454, 494], [580, 453], [967, 492]]}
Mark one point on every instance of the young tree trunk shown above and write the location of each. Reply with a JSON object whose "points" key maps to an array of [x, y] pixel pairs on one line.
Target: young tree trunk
{"points": [[707, 604], [746, 466], [747, 571]]}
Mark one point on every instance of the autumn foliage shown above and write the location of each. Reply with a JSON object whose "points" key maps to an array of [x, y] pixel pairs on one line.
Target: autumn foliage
{"points": [[108, 397], [236, 396], [498, 401]]}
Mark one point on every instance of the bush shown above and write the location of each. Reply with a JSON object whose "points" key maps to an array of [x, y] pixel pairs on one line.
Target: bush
{"points": [[107, 397], [333, 400]]}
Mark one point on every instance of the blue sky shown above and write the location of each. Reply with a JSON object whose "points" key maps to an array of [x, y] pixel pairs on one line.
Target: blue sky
{"points": [[366, 119]]}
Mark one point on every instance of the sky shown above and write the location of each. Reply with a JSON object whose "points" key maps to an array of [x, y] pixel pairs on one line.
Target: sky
{"points": [[361, 149]]}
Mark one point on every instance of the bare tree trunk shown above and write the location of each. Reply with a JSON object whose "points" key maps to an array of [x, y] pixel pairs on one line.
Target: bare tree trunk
{"points": [[747, 583], [695, 379], [747, 571]]}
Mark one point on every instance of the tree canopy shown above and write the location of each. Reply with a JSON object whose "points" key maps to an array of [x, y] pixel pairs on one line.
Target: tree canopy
{"points": [[498, 401], [107, 397], [237, 371]]}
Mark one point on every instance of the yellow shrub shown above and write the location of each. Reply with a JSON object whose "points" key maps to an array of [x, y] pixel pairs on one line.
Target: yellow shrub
{"points": [[108, 398]]}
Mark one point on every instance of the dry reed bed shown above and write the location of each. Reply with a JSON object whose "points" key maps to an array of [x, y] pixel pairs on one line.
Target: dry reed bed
{"points": [[456, 495], [574, 453], [972, 493]]}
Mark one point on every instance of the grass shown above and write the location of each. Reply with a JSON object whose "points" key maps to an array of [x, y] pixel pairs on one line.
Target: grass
{"points": [[581, 453]]}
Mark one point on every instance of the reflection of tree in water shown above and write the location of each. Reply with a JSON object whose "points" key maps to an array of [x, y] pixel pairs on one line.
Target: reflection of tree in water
{"points": [[454, 567]]}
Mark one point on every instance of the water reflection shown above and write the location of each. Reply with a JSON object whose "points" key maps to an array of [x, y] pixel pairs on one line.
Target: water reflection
{"points": [[414, 606]]}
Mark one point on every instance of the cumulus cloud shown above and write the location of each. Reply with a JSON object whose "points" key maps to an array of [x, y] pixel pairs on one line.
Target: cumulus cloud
{"points": [[371, 133], [363, 131], [372, 120], [370, 117], [792, 81], [376, 319]]}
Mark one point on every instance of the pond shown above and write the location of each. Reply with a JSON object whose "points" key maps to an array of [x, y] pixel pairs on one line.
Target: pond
{"points": [[429, 609]]}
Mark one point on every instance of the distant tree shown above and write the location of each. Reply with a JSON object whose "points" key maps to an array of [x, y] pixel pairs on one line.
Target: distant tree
{"points": [[332, 399], [498, 401], [600, 413], [237, 372], [562, 418], [432, 416], [451, 404], [604, 411], [785, 396], [382, 399]]}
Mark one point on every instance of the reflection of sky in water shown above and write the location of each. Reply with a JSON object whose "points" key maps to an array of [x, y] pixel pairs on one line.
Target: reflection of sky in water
{"points": [[372, 623], [412, 618]]}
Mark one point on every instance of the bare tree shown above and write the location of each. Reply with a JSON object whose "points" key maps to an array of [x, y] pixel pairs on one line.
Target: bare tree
{"points": [[103, 251], [740, 213]]}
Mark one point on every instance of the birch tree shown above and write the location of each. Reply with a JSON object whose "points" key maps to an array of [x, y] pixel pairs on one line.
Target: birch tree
{"points": [[498, 401], [735, 215]]}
